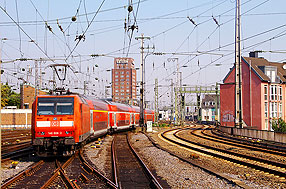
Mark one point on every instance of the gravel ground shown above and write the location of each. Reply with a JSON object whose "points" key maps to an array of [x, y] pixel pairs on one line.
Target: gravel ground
{"points": [[7, 171], [101, 155], [247, 174], [177, 173]]}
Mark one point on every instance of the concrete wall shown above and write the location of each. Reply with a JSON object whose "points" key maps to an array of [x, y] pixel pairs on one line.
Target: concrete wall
{"points": [[19, 118], [253, 133]]}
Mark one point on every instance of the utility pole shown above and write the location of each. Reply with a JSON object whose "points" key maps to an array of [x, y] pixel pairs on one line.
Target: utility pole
{"points": [[84, 87], [36, 78], [238, 99], [142, 66], [216, 103], [156, 101], [172, 100]]}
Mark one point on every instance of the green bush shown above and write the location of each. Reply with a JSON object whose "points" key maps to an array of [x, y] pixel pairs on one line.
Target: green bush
{"points": [[279, 125]]}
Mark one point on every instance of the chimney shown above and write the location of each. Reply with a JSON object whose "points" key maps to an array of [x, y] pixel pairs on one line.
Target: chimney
{"points": [[254, 54]]}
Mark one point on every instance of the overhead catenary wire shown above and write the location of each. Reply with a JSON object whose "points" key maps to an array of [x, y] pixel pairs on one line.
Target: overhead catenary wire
{"points": [[83, 34]]}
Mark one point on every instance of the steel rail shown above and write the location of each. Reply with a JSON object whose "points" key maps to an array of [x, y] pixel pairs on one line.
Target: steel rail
{"points": [[27, 172], [57, 172], [149, 173], [189, 161], [277, 164], [233, 143], [92, 170], [244, 141], [257, 167], [114, 163]]}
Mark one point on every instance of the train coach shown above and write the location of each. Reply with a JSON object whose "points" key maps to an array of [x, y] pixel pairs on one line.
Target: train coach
{"points": [[63, 123]]}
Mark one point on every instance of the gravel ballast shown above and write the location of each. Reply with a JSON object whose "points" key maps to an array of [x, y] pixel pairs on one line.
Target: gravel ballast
{"points": [[177, 173]]}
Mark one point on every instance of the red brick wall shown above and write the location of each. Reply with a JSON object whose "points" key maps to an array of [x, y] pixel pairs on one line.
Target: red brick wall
{"points": [[28, 95]]}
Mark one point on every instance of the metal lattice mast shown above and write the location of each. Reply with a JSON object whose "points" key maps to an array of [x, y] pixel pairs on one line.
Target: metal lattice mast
{"points": [[156, 101]]}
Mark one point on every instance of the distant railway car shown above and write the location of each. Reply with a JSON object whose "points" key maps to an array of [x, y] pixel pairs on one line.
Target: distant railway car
{"points": [[62, 123]]}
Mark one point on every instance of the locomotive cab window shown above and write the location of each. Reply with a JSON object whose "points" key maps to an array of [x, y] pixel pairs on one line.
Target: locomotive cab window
{"points": [[55, 106]]}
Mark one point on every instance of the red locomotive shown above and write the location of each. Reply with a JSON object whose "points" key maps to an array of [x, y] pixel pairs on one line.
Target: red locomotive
{"points": [[62, 123]]}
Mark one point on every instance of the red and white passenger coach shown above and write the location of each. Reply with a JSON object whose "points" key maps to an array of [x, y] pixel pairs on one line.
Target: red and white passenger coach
{"points": [[62, 123]]}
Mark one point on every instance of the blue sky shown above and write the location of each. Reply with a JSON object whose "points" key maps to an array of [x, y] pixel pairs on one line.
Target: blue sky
{"points": [[166, 22]]}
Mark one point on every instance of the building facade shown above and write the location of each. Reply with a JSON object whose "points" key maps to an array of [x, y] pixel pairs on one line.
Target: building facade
{"points": [[263, 93], [209, 108], [27, 93], [124, 81]]}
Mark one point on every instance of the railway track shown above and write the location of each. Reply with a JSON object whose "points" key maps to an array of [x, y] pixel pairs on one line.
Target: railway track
{"points": [[269, 145], [207, 136], [266, 166], [72, 173], [130, 171]]}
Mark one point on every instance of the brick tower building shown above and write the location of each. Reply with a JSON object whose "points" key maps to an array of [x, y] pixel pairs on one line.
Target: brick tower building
{"points": [[124, 81]]}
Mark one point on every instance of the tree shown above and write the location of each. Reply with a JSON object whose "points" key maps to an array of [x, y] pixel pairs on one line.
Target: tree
{"points": [[279, 125], [9, 97]]}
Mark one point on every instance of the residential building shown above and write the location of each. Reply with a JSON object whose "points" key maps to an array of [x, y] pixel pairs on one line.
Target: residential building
{"points": [[124, 81], [209, 107], [263, 93]]}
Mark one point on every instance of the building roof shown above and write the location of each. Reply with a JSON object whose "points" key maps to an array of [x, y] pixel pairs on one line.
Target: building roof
{"points": [[209, 101], [257, 63]]}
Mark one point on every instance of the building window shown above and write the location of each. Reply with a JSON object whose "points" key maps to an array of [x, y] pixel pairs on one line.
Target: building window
{"points": [[266, 109], [122, 76], [127, 75], [122, 72], [122, 93], [116, 87], [271, 109], [127, 72], [122, 90], [116, 98], [265, 92], [121, 79], [280, 109], [122, 83], [273, 92], [116, 76], [275, 109], [116, 90], [280, 93], [127, 79], [116, 83], [116, 79], [266, 124], [127, 90], [116, 72]]}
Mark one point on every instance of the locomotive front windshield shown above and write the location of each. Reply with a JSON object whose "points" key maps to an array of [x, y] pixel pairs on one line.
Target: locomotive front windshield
{"points": [[55, 106]]}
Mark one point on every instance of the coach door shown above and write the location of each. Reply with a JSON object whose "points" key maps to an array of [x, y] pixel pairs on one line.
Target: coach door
{"points": [[91, 121], [114, 118]]}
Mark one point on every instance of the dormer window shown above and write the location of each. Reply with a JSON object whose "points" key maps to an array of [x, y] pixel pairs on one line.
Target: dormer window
{"points": [[271, 72]]}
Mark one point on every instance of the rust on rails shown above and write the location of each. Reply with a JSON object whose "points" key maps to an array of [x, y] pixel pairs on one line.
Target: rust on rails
{"points": [[130, 169], [215, 152], [92, 170], [19, 176], [190, 161]]}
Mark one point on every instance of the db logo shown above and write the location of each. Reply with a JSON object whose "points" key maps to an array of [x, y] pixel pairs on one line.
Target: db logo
{"points": [[55, 123]]}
